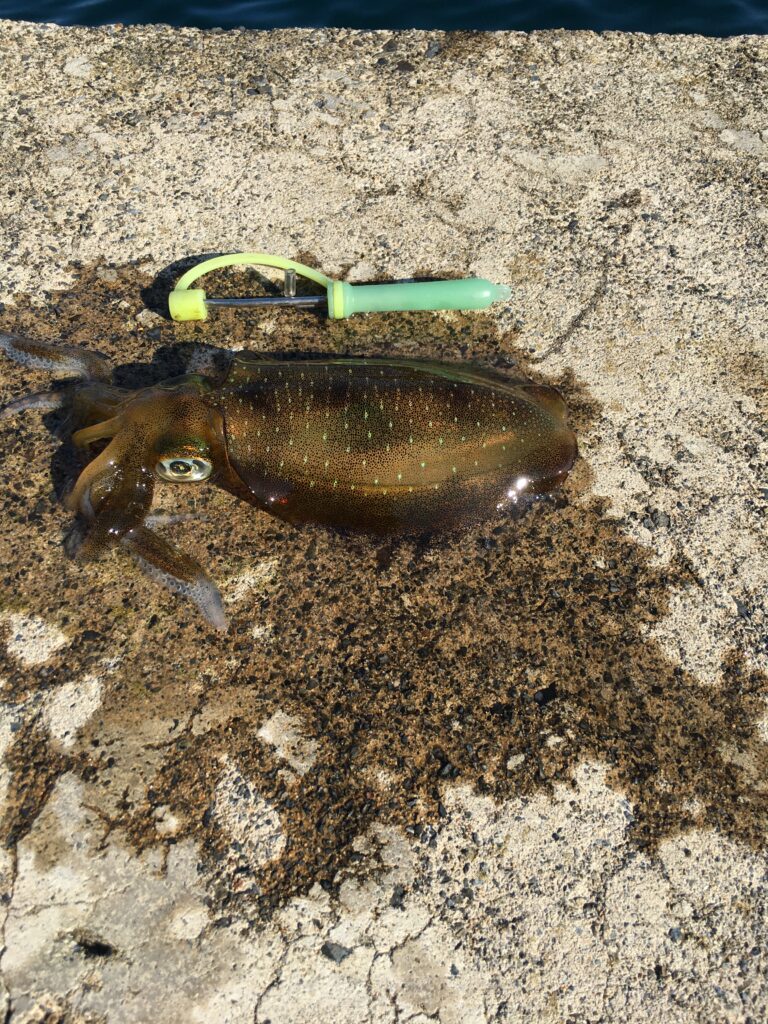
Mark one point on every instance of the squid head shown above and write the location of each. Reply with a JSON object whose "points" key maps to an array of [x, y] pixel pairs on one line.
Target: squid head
{"points": [[167, 431]]}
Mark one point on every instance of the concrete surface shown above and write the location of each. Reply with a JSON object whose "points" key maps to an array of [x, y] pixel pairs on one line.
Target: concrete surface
{"points": [[517, 774]]}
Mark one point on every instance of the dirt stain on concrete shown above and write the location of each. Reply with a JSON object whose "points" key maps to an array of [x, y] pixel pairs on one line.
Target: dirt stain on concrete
{"points": [[502, 656]]}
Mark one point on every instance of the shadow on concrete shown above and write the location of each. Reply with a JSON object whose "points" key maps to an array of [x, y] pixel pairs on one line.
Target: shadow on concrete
{"points": [[501, 657]]}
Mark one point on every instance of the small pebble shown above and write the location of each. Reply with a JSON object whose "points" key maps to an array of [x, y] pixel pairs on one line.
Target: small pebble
{"points": [[335, 952]]}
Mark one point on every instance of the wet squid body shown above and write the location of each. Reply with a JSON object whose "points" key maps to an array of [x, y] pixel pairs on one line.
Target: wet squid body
{"points": [[382, 445]]}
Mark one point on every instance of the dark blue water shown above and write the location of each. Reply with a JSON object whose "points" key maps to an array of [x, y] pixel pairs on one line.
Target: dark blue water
{"points": [[707, 17]]}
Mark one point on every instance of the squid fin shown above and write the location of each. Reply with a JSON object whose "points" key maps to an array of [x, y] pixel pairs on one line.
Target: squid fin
{"points": [[549, 398]]}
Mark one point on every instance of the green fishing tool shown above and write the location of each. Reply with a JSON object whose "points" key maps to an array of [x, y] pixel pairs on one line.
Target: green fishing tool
{"points": [[340, 299]]}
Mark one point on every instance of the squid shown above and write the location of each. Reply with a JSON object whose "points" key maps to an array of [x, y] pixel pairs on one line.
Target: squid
{"points": [[387, 446]]}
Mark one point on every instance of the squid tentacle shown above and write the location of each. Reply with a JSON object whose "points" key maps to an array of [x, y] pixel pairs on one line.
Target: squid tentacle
{"points": [[114, 492], [42, 401], [45, 355], [81, 363], [100, 468], [176, 570], [124, 508], [98, 432]]}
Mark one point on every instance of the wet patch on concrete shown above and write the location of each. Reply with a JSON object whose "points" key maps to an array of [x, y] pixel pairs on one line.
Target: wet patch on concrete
{"points": [[502, 657]]}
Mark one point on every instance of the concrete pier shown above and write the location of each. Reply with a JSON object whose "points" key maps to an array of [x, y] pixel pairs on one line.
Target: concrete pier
{"points": [[518, 774]]}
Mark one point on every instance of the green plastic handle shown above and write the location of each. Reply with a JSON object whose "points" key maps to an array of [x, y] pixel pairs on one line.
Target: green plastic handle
{"points": [[466, 293]]}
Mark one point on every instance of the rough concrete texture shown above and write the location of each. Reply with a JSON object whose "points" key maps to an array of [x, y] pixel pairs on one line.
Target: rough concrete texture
{"points": [[514, 774]]}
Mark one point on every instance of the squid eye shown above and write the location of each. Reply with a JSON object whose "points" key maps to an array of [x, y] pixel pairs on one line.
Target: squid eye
{"points": [[184, 469]]}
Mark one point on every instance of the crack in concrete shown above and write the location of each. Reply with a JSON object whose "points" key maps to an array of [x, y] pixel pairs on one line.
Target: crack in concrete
{"points": [[612, 254], [8, 906], [277, 977]]}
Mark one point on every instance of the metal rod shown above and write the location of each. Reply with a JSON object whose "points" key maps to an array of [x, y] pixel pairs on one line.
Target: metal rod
{"points": [[300, 301]]}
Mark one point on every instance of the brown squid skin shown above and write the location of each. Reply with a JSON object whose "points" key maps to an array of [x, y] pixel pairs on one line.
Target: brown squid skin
{"points": [[389, 446], [379, 445]]}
